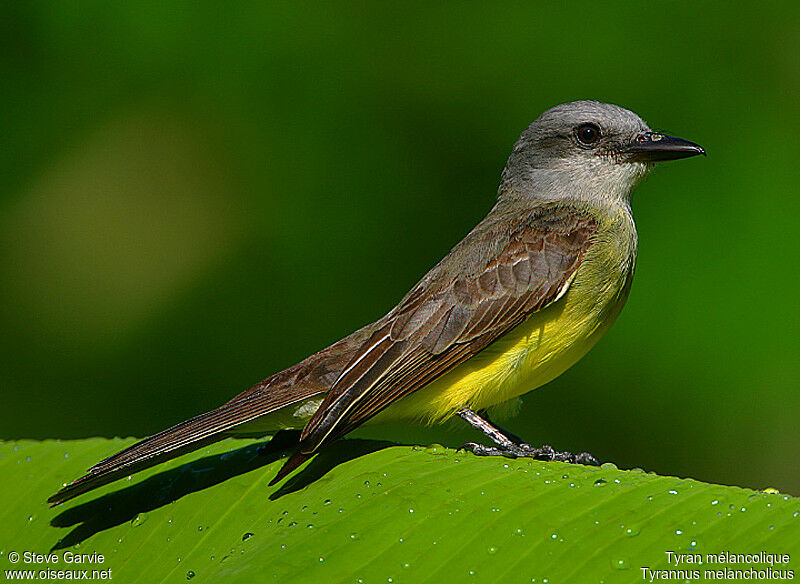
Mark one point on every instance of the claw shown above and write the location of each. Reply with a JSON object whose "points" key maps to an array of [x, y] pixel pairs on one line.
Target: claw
{"points": [[481, 450], [587, 459], [546, 452]]}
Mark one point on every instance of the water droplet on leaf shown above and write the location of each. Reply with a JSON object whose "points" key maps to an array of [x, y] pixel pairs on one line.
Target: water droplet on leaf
{"points": [[139, 519]]}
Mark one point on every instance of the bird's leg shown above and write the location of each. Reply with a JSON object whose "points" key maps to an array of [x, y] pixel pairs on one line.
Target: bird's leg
{"points": [[494, 433], [507, 446], [513, 437]]}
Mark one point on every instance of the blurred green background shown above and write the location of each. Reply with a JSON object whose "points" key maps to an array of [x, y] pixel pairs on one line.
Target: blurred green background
{"points": [[195, 196]]}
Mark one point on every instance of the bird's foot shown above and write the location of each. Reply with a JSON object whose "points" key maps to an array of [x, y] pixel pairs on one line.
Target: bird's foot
{"points": [[523, 450]]}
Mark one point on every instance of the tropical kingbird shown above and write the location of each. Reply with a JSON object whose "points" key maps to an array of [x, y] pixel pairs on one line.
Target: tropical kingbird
{"points": [[514, 304]]}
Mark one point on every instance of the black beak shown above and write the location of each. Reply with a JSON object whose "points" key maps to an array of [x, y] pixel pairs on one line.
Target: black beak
{"points": [[655, 147]]}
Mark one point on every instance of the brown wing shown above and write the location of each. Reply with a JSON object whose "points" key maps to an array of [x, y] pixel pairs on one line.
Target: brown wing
{"points": [[442, 324]]}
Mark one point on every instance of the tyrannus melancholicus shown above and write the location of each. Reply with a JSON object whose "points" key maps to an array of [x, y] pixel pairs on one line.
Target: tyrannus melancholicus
{"points": [[519, 300]]}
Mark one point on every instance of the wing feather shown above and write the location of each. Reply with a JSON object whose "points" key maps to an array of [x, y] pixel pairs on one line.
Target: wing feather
{"points": [[447, 319]]}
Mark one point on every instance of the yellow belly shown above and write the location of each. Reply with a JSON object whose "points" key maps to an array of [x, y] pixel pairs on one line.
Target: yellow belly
{"points": [[532, 354]]}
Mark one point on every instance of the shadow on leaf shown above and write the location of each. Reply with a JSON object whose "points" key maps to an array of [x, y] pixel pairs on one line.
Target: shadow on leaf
{"points": [[331, 457], [163, 488]]}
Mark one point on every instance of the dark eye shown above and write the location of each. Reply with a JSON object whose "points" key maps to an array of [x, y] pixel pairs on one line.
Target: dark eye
{"points": [[588, 133]]}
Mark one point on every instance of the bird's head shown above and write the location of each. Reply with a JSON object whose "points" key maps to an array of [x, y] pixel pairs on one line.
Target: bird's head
{"points": [[587, 150]]}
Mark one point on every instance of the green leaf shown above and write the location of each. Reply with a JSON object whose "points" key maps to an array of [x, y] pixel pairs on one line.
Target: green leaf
{"points": [[368, 511]]}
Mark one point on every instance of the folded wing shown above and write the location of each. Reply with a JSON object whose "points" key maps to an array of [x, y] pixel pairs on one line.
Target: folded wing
{"points": [[446, 319]]}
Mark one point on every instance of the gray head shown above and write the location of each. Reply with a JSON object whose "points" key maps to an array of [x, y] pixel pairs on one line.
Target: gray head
{"points": [[587, 150]]}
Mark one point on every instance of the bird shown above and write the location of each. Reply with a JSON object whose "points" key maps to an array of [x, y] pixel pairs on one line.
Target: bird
{"points": [[520, 299]]}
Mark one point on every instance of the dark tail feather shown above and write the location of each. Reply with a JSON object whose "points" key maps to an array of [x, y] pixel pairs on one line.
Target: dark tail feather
{"points": [[94, 479], [180, 439]]}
